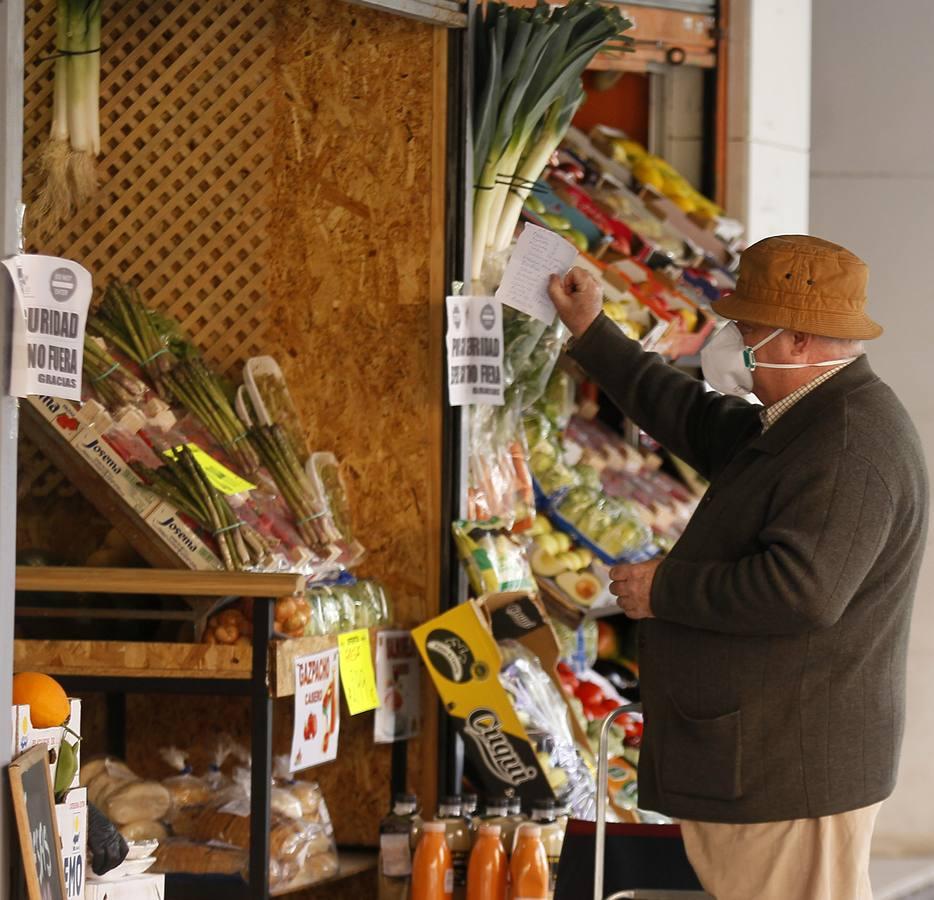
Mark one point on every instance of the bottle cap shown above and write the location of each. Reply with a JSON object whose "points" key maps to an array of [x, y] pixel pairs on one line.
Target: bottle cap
{"points": [[405, 798], [497, 801], [452, 800], [494, 830], [433, 827]]}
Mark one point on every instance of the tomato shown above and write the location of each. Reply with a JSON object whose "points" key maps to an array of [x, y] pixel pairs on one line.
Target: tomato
{"points": [[588, 693], [607, 706]]}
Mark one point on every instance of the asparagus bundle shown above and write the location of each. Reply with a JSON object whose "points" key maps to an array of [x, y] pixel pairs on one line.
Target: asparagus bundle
{"points": [[183, 482], [123, 321], [199, 390], [114, 384], [278, 455]]}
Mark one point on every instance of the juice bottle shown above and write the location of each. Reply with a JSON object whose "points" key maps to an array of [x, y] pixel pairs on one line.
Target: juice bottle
{"points": [[529, 866], [544, 815], [459, 840], [518, 820], [496, 812], [395, 852], [488, 868], [432, 874]]}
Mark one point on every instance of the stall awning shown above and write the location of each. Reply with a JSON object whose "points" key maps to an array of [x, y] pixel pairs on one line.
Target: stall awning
{"points": [[446, 13], [695, 7]]}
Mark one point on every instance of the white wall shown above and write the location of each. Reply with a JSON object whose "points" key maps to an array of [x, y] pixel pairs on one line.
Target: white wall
{"points": [[872, 189], [769, 115]]}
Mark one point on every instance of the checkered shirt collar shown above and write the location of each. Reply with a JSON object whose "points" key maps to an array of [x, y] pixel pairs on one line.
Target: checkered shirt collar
{"points": [[771, 414]]}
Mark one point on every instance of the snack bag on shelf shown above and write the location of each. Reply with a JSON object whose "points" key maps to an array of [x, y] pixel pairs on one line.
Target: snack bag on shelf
{"points": [[495, 561], [543, 713]]}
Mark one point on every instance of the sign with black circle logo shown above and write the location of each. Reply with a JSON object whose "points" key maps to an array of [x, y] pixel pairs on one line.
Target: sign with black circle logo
{"points": [[450, 656]]}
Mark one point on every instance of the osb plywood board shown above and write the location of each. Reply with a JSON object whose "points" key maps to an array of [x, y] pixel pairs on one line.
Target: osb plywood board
{"points": [[184, 169], [356, 283]]}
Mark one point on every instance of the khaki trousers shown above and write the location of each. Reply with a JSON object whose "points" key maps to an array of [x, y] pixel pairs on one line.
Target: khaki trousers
{"points": [[802, 859]]}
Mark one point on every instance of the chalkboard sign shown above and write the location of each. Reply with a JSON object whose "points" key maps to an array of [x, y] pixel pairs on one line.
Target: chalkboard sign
{"points": [[34, 805]]}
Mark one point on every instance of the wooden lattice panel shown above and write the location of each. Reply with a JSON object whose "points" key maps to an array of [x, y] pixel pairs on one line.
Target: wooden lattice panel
{"points": [[185, 160]]}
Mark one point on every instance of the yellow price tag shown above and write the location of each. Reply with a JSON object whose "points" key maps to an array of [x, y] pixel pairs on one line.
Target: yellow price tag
{"points": [[221, 477], [357, 676]]}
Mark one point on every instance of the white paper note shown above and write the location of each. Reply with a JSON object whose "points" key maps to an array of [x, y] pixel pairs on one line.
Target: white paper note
{"points": [[51, 298], [397, 680], [475, 351], [538, 254]]}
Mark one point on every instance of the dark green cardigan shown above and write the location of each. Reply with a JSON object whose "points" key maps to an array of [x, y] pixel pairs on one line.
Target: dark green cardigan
{"points": [[773, 676]]}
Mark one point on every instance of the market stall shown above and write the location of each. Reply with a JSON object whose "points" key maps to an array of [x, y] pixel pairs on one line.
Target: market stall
{"points": [[248, 239]]}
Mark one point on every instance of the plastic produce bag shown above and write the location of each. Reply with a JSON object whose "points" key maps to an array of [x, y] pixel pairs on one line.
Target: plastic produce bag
{"points": [[495, 561], [500, 483], [544, 715]]}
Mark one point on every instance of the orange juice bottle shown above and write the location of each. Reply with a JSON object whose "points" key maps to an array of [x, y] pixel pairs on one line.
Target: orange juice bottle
{"points": [[529, 867], [432, 873], [487, 871]]}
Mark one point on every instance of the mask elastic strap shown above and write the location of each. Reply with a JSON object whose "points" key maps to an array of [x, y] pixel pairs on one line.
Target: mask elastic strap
{"points": [[749, 353], [829, 362]]}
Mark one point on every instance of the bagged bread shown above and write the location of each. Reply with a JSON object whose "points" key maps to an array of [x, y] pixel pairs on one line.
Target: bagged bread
{"points": [[90, 769], [144, 830], [283, 802], [180, 855], [107, 783], [138, 801], [184, 788], [308, 795]]}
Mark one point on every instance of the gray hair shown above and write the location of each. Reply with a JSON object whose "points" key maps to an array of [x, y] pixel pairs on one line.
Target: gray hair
{"points": [[841, 348]]}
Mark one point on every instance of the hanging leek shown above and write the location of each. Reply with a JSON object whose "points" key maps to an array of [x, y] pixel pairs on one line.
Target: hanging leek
{"points": [[530, 63], [68, 159]]}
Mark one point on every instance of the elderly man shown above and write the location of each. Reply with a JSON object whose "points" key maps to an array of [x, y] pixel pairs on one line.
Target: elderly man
{"points": [[774, 635]]}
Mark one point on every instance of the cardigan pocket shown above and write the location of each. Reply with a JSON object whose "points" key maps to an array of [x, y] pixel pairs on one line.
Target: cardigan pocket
{"points": [[702, 757]]}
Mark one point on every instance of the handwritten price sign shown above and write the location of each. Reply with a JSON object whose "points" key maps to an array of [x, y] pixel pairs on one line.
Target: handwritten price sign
{"points": [[357, 676]]}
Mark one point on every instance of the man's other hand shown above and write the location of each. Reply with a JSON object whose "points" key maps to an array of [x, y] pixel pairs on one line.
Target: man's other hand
{"points": [[632, 586], [578, 298]]}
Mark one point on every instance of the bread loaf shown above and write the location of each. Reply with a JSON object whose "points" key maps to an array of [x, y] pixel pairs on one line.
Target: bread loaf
{"points": [[137, 801]]}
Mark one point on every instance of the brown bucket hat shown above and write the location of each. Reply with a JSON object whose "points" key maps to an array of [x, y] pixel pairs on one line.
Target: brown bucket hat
{"points": [[802, 283]]}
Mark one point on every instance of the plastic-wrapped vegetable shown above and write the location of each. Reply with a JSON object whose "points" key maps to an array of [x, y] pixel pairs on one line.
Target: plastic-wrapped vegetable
{"points": [[544, 715], [500, 481], [494, 560], [611, 524]]}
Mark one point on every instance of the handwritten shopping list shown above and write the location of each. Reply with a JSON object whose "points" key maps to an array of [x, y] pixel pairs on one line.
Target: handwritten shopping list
{"points": [[538, 254]]}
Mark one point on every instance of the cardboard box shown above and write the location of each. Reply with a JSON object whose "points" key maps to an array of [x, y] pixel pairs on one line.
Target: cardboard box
{"points": [[460, 651], [52, 737], [134, 887], [72, 815], [168, 525]]}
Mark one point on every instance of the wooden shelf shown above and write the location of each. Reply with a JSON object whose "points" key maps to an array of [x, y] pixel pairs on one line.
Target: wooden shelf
{"points": [[351, 862], [128, 659], [172, 582]]}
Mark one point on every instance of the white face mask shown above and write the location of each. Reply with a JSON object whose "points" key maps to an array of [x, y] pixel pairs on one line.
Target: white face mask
{"points": [[728, 362]]}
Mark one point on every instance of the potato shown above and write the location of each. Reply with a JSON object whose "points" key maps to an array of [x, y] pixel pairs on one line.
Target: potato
{"points": [[285, 608]]}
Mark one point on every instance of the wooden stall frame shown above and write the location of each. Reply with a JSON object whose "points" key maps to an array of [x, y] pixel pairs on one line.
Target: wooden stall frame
{"points": [[232, 676]]}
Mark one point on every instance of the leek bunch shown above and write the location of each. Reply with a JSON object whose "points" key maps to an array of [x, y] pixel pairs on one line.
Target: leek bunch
{"points": [[68, 159], [529, 64]]}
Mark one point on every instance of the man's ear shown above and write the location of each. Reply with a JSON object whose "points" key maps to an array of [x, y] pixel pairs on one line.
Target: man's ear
{"points": [[800, 343]]}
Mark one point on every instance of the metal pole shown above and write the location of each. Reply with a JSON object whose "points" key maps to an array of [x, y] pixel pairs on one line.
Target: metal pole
{"points": [[260, 751], [11, 179], [603, 777]]}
